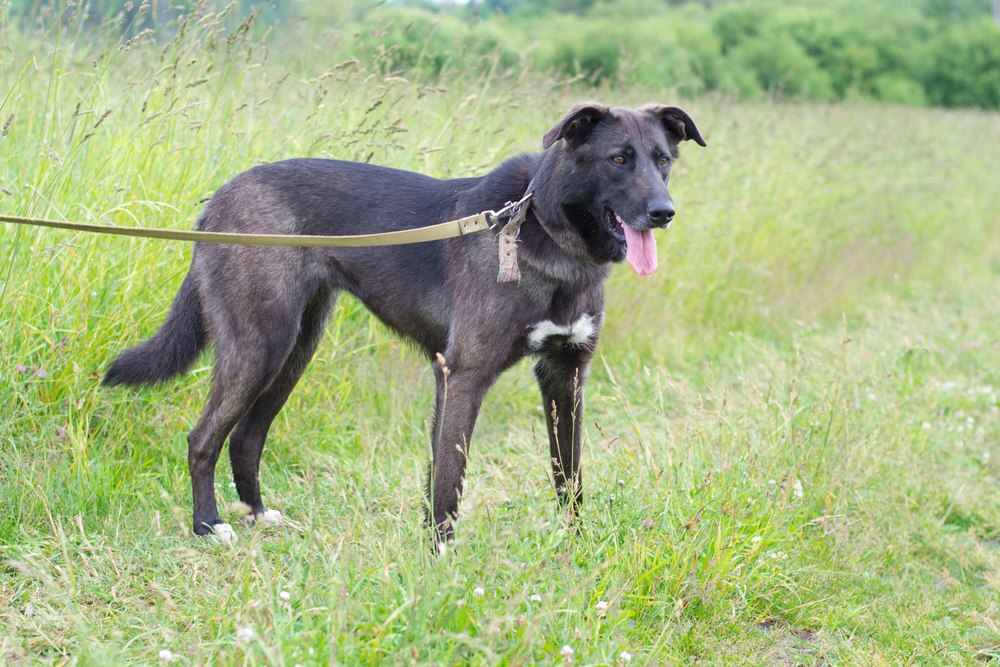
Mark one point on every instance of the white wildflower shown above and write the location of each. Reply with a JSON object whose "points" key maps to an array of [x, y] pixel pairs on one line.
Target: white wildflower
{"points": [[244, 635], [624, 658], [797, 489], [166, 656], [601, 607], [567, 654], [535, 598], [478, 592], [285, 596]]}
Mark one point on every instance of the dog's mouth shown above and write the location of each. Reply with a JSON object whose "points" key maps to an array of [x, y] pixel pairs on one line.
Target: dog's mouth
{"points": [[639, 246], [616, 225]]}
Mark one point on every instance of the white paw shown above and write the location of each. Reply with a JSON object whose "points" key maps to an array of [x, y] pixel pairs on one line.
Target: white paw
{"points": [[267, 518], [223, 533], [270, 518]]}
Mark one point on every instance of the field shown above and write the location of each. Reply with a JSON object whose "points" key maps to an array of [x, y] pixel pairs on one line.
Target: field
{"points": [[793, 427]]}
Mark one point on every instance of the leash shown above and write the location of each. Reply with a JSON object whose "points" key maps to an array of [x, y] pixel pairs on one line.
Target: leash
{"points": [[512, 211], [444, 230]]}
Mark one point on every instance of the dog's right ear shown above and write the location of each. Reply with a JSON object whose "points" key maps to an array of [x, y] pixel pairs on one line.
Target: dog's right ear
{"points": [[576, 125]]}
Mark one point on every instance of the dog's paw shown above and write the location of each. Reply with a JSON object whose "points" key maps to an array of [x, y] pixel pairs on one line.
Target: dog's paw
{"points": [[222, 533], [269, 518]]}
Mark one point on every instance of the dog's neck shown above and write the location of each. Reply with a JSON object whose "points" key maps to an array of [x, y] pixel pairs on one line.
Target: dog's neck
{"points": [[548, 244]]}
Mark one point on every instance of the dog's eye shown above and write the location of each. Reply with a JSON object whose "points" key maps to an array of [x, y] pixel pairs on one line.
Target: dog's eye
{"points": [[663, 161], [618, 160]]}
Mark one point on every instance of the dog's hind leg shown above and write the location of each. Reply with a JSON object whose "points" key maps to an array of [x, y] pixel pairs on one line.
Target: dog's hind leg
{"points": [[247, 362], [561, 374], [460, 394], [246, 443]]}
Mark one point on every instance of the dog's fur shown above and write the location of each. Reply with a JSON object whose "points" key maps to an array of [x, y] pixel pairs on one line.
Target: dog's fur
{"points": [[264, 308]]}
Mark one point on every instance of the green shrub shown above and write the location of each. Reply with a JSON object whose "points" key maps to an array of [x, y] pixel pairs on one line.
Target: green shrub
{"points": [[899, 90], [424, 44], [782, 67], [839, 47], [589, 47], [703, 51], [735, 23], [964, 66], [632, 51]]}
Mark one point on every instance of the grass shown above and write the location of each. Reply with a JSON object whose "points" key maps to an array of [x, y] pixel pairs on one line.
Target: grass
{"points": [[793, 448]]}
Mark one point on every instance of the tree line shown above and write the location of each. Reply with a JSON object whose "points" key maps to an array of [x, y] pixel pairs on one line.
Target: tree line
{"points": [[938, 52], [916, 52]]}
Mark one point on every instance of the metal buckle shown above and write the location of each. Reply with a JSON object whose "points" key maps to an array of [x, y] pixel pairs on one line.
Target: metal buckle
{"points": [[510, 211]]}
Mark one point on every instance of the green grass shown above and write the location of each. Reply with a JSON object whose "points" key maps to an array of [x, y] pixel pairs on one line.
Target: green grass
{"points": [[793, 451]]}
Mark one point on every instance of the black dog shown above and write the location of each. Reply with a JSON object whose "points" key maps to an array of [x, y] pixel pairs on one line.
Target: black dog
{"points": [[600, 187]]}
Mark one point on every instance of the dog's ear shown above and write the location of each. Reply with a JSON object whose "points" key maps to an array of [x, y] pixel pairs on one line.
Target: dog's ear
{"points": [[676, 121], [576, 125]]}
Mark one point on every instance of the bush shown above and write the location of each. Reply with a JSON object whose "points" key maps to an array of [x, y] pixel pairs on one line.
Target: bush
{"points": [[588, 47], [839, 47], [738, 22], [899, 90], [782, 67], [636, 51], [964, 66], [424, 44], [703, 51]]}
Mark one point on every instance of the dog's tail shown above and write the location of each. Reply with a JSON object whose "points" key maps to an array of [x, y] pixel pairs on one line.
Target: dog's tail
{"points": [[170, 351]]}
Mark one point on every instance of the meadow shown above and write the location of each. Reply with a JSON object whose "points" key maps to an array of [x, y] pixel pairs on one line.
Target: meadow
{"points": [[793, 426]]}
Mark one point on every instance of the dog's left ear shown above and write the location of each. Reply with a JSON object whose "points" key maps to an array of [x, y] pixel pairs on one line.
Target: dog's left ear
{"points": [[676, 121], [576, 125]]}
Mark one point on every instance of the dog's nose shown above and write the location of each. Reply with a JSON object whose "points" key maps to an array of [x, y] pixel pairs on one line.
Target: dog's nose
{"points": [[660, 212]]}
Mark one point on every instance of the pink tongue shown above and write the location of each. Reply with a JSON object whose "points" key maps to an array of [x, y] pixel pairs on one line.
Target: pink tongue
{"points": [[641, 251]]}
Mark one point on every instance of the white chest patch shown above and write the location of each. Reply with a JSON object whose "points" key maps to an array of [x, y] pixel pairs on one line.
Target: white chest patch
{"points": [[579, 332]]}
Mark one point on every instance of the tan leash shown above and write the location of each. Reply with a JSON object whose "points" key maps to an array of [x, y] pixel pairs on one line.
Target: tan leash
{"points": [[514, 211], [444, 230]]}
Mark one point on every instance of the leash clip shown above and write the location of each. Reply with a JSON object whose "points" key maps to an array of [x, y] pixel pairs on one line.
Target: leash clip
{"points": [[510, 211]]}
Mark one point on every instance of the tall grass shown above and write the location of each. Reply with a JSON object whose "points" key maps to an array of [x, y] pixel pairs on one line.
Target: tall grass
{"points": [[793, 425]]}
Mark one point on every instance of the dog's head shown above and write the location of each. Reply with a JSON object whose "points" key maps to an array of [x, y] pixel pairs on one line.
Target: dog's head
{"points": [[604, 180]]}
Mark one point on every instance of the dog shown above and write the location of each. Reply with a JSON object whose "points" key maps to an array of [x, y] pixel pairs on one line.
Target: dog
{"points": [[599, 190]]}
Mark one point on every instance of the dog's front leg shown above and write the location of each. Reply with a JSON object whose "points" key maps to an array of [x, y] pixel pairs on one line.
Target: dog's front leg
{"points": [[561, 375], [460, 393]]}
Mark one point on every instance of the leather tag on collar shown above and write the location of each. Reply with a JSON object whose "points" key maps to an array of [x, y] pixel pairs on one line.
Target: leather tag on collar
{"points": [[507, 243]]}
